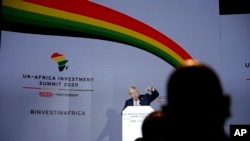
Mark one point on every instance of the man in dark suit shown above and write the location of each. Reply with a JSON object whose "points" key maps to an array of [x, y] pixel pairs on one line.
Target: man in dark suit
{"points": [[141, 99]]}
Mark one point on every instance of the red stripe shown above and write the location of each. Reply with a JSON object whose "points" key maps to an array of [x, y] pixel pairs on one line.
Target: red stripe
{"points": [[56, 55], [31, 87]]}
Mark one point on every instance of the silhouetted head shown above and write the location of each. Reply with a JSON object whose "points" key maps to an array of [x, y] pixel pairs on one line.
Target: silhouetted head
{"points": [[153, 127], [194, 94]]}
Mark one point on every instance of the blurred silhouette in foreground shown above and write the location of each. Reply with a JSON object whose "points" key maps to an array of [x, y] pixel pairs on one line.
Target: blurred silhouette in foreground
{"points": [[196, 106], [153, 127]]}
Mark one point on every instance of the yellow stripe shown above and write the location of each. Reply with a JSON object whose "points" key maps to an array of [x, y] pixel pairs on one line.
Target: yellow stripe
{"points": [[19, 4], [59, 58]]}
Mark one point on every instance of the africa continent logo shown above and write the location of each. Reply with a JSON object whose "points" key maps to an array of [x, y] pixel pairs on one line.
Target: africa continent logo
{"points": [[60, 60]]}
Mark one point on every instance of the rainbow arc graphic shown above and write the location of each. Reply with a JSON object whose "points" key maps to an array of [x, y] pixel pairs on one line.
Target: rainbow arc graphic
{"points": [[90, 20]]}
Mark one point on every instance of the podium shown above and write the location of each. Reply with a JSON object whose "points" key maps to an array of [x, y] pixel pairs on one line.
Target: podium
{"points": [[132, 119]]}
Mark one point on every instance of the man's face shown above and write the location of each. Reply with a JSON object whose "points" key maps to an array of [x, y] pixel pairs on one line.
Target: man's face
{"points": [[134, 93]]}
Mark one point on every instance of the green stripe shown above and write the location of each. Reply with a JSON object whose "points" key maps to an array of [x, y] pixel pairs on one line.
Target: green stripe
{"points": [[62, 63], [20, 16]]}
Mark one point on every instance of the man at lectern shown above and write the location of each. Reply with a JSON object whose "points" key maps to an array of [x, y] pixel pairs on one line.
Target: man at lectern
{"points": [[141, 99]]}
